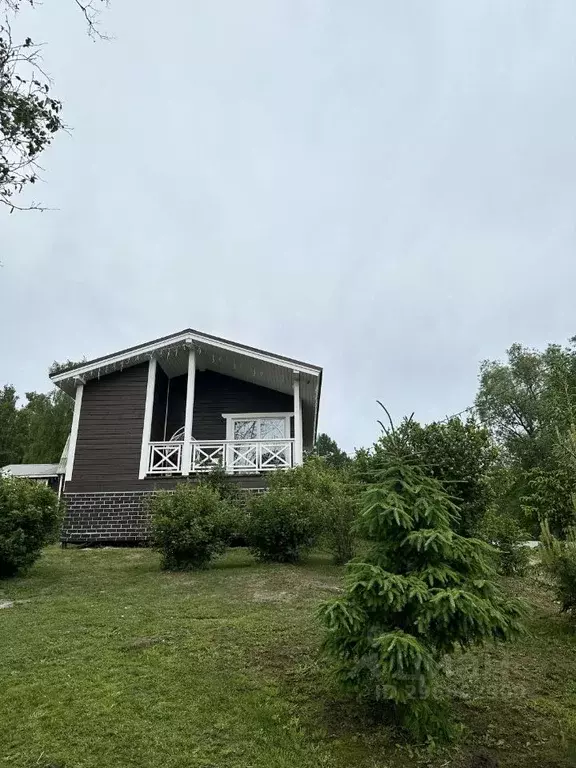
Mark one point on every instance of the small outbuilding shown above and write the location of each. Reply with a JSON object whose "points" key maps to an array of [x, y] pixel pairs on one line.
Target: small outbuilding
{"points": [[47, 474]]}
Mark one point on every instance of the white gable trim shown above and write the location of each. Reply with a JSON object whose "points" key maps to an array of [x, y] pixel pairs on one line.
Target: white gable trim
{"points": [[74, 430], [147, 350], [147, 425]]}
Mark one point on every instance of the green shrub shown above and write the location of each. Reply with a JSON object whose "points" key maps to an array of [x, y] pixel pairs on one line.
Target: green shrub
{"points": [[229, 491], [336, 502], [190, 525], [548, 497], [223, 484], [30, 517], [280, 526], [330, 496], [339, 517], [419, 593], [558, 560], [306, 505], [506, 535]]}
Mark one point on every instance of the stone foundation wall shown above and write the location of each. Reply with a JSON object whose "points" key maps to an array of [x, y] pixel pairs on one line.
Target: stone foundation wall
{"points": [[114, 517]]}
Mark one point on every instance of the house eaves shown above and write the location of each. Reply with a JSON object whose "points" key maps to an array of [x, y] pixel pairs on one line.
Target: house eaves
{"points": [[132, 355]]}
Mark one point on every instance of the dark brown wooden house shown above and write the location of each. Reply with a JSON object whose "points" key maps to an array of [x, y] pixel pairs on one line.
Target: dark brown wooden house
{"points": [[170, 410]]}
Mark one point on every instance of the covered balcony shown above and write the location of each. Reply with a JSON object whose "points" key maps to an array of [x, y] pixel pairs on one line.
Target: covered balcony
{"points": [[234, 456], [259, 443], [230, 410]]}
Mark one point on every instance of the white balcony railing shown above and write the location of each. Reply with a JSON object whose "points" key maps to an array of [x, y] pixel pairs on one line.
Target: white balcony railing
{"points": [[234, 456], [165, 458]]}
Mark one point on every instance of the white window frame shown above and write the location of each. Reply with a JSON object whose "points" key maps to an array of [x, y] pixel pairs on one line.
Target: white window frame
{"points": [[232, 417]]}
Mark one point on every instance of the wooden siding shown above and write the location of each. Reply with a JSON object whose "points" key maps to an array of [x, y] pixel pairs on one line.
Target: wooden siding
{"points": [[110, 431], [159, 409], [112, 417], [216, 394]]}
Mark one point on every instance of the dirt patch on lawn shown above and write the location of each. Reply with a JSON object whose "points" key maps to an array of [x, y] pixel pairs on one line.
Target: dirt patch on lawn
{"points": [[139, 643]]}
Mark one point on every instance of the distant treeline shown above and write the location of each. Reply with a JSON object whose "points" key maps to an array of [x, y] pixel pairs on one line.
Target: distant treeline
{"points": [[34, 431]]}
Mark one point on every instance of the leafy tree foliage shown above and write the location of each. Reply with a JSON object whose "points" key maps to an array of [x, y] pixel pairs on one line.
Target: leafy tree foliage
{"points": [[29, 115], [510, 399], [421, 591], [529, 404], [66, 365], [547, 494], [11, 438], [328, 449], [458, 453], [46, 422], [37, 432]]}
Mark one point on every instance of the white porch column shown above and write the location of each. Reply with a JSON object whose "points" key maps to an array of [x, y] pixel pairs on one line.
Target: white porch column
{"points": [[298, 442], [148, 408], [74, 429], [189, 413]]}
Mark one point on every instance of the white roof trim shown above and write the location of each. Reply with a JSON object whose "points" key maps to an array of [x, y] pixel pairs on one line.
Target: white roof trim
{"points": [[187, 336], [40, 471]]}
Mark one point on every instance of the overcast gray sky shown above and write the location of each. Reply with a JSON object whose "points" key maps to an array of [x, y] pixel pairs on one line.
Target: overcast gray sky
{"points": [[386, 189]]}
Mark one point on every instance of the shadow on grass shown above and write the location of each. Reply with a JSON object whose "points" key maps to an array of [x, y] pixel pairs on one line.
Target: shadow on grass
{"points": [[241, 557]]}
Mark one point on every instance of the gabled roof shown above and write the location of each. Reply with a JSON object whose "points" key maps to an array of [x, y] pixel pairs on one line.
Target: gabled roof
{"points": [[212, 353], [30, 470], [142, 352]]}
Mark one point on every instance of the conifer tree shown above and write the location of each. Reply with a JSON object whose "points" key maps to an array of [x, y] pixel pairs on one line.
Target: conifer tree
{"points": [[420, 592]]}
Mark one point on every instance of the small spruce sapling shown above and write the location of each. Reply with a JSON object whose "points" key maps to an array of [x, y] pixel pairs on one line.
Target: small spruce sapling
{"points": [[420, 592]]}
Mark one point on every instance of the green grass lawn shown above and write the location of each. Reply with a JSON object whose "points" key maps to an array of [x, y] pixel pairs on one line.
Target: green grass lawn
{"points": [[106, 661]]}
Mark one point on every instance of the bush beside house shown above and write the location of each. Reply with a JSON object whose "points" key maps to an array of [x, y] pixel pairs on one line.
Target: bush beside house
{"points": [[309, 505], [304, 506], [30, 518], [280, 526], [190, 526]]}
